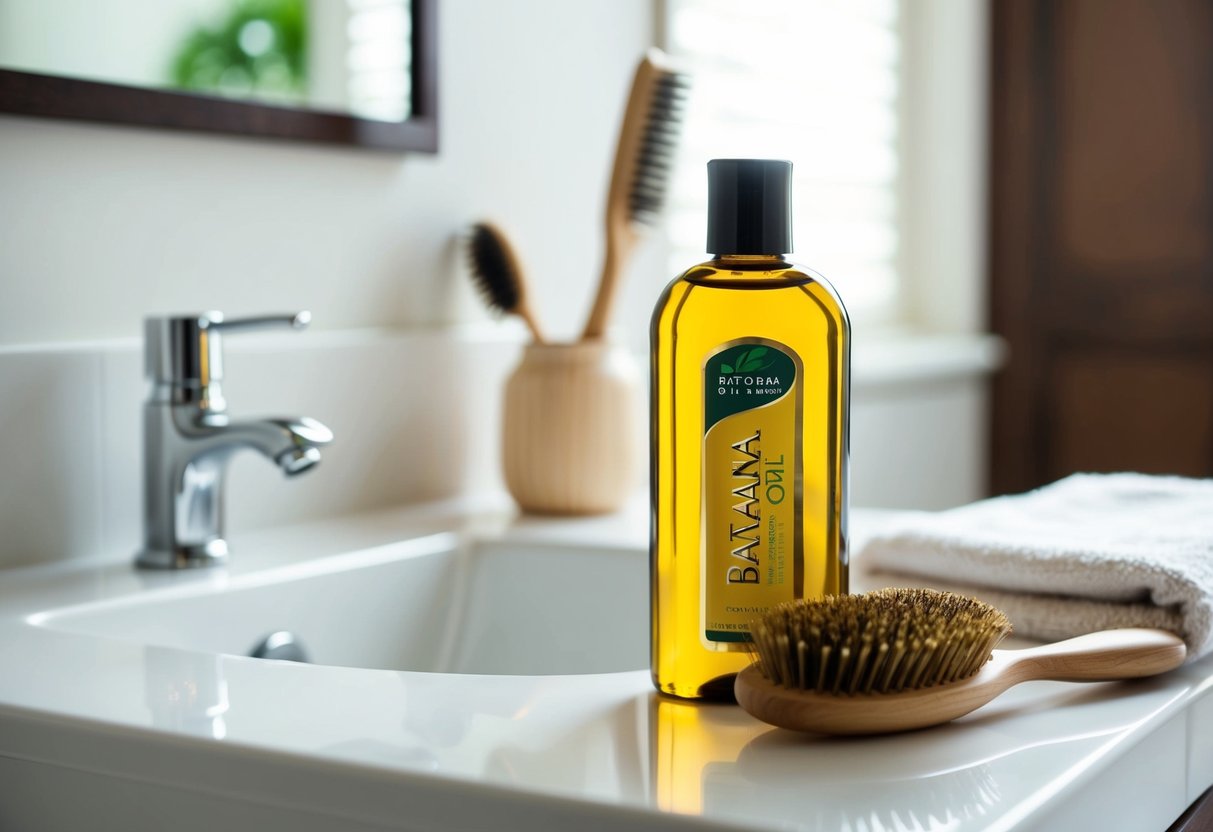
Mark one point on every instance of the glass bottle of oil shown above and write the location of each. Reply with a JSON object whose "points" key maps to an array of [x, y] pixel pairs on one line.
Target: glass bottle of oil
{"points": [[749, 408]]}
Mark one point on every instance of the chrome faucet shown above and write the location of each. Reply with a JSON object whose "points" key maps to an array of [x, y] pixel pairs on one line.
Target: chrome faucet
{"points": [[188, 437]]}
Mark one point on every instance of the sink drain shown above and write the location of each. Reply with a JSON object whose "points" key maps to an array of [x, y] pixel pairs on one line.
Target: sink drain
{"points": [[282, 646]]}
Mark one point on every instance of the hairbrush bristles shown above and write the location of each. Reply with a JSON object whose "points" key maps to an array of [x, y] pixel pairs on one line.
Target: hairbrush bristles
{"points": [[653, 167], [880, 642], [497, 275], [493, 267]]}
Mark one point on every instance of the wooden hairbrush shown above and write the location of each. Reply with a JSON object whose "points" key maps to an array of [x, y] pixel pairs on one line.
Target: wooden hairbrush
{"points": [[900, 659]]}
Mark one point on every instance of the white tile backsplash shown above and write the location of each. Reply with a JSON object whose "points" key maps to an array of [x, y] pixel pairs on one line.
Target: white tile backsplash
{"points": [[121, 448], [415, 415], [50, 462]]}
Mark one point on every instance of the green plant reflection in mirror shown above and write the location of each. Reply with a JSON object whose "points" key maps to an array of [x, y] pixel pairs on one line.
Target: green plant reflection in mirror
{"points": [[342, 57], [258, 47]]}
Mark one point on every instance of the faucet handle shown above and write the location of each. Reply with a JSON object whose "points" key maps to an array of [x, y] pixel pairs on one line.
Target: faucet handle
{"points": [[297, 320], [184, 353]]}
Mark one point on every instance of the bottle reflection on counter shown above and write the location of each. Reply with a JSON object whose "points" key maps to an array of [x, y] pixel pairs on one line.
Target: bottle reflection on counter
{"points": [[693, 753]]}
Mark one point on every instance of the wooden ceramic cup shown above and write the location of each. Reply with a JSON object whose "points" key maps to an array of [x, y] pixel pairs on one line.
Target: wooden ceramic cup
{"points": [[570, 442]]}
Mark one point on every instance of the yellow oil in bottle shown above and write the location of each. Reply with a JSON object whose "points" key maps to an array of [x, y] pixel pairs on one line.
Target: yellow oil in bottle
{"points": [[749, 408]]}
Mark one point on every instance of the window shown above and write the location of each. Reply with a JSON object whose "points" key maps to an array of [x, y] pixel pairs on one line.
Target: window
{"points": [[817, 82]]}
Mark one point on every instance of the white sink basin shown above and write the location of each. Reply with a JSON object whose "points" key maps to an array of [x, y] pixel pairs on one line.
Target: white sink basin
{"points": [[431, 604]]}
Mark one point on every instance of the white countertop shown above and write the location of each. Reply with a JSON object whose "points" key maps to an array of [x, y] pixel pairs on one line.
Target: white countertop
{"points": [[394, 749]]}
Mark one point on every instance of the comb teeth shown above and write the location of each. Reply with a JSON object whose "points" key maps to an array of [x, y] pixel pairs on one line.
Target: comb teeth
{"points": [[881, 642], [653, 167], [493, 268]]}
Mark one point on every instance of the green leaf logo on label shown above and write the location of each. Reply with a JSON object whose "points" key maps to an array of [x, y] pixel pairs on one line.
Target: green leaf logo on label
{"points": [[749, 375], [750, 361]]}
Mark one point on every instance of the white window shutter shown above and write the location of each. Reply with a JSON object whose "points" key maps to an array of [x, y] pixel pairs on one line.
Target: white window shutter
{"points": [[816, 82]]}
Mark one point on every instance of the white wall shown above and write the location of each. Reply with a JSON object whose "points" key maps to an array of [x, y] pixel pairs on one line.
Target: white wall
{"points": [[944, 206], [102, 225]]}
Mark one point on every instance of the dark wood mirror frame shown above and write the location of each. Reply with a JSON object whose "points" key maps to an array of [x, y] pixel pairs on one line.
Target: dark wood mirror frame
{"points": [[32, 94]]}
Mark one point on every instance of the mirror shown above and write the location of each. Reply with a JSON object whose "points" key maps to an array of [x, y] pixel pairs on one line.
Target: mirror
{"points": [[346, 71]]}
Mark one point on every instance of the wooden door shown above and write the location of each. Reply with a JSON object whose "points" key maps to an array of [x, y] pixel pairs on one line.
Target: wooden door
{"points": [[1102, 237]]}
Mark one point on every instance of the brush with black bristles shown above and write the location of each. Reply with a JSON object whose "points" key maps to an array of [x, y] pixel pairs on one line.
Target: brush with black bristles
{"points": [[498, 276], [644, 163], [899, 659]]}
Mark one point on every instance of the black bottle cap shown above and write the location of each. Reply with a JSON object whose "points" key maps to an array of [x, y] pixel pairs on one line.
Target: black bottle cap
{"points": [[749, 206]]}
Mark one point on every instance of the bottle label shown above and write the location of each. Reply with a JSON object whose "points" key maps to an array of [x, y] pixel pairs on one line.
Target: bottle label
{"points": [[752, 501]]}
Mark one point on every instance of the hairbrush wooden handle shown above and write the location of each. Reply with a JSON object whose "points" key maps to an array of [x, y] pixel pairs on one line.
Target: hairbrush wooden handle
{"points": [[621, 232], [1099, 657], [1102, 656], [522, 306]]}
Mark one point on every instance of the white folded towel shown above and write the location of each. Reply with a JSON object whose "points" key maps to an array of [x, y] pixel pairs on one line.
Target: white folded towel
{"points": [[1090, 552]]}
